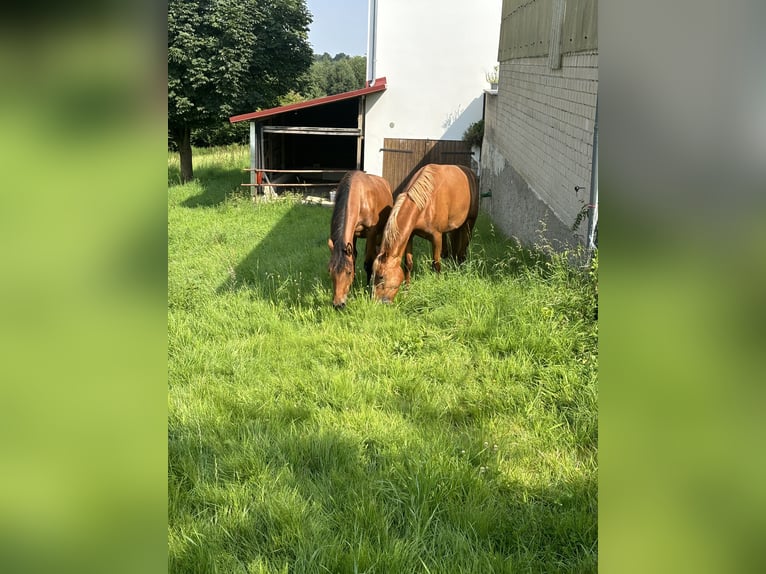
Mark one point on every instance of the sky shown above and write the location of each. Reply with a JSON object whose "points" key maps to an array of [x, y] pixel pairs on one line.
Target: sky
{"points": [[338, 26]]}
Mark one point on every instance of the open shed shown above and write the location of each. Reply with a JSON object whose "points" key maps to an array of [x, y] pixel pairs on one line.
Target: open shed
{"points": [[308, 144]]}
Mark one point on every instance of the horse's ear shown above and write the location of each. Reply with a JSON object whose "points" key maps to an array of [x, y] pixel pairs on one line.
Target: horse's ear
{"points": [[349, 249], [330, 244]]}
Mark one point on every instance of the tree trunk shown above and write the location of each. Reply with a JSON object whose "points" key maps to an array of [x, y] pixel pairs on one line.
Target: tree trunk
{"points": [[183, 141]]}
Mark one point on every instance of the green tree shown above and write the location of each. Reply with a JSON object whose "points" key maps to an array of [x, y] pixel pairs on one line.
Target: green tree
{"points": [[333, 74], [315, 85], [226, 56], [341, 78], [359, 65]]}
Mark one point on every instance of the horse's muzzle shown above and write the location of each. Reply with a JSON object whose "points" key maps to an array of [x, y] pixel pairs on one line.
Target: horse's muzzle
{"points": [[339, 306]]}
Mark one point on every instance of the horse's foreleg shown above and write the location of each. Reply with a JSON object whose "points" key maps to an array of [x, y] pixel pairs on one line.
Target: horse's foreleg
{"points": [[436, 242], [408, 261], [370, 250]]}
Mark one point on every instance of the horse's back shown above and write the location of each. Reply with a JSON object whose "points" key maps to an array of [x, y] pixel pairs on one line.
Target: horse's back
{"points": [[374, 199], [455, 178], [457, 189]]}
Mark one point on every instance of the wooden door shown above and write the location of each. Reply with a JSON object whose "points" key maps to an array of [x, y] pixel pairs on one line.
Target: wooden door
{"points": [[403, 157]]}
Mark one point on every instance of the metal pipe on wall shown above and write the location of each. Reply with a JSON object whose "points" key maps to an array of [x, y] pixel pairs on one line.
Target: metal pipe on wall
{"points": [[593, 212], [372, 40]]}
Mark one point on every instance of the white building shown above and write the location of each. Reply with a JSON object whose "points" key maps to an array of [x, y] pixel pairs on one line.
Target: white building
{"points": [[427, 68], [435, 56]]}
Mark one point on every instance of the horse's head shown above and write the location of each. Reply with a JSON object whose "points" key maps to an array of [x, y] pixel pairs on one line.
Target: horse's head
{"points": [[387, 275], [341, 272]]}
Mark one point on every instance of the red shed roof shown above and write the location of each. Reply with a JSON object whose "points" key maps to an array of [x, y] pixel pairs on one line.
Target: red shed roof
{"points": [[378, 86]]}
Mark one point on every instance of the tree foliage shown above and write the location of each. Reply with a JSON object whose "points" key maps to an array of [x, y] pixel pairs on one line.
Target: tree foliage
{"points": [[330, 75], [226, 56], [474, 134]]}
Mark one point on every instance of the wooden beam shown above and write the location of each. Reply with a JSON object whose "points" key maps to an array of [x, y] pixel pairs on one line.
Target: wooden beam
{"points": [[326, 184], [312, 131], [554, 42], [301, 170]]}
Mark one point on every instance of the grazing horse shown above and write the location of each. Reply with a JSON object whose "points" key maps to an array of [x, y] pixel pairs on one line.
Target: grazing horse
{"points": [[362, 205], [439, 199]]}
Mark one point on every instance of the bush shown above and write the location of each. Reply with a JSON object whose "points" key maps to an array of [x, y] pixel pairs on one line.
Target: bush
{"points": [[224, 134], [474, 135]]}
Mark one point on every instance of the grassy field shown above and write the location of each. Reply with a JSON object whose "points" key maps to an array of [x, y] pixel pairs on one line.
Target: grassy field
{"points": [[452, 431]]}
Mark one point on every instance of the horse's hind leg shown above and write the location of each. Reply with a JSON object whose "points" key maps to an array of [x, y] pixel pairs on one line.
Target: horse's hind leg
{"points": [[464, 234], [459, 244], [455, 243], [447, 245]]}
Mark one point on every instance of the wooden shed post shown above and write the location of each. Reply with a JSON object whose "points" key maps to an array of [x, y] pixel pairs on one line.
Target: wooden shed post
{"points": [[253, 156], [359, 138], [557, 25]]}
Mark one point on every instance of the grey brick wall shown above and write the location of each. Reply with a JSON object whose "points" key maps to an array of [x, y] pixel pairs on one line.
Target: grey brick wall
{"points": [[538, 145]]}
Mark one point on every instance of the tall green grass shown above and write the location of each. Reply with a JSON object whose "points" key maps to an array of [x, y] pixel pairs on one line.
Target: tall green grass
{"points": [[452, 431]]}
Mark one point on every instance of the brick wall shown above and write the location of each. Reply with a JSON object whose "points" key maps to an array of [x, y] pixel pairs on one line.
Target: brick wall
{"points": [[538, 146]]}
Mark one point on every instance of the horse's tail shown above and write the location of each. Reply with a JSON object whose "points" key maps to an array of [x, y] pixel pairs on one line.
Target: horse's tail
{"points": [[473, 188], [338, 220], [465, 231]]}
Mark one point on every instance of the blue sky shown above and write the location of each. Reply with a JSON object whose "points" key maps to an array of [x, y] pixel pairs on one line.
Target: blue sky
{"points": [[338, 26]]}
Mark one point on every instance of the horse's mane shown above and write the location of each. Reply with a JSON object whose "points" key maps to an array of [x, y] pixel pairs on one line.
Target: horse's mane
{"points": [[338, 258], [420, 192]]}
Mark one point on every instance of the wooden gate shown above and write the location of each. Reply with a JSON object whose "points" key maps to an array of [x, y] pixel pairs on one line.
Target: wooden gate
{"points": [[403, 157]]}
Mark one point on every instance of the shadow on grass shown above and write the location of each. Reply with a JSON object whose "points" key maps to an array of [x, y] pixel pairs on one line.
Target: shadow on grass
{"points": [[217, 184], [288, 266], [395, 509]]}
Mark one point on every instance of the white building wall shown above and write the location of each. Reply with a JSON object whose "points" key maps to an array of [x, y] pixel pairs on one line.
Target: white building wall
{"points": [[435, 56]]}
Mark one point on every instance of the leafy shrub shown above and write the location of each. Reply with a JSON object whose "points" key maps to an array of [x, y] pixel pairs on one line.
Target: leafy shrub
{"points": [[474, 135]]}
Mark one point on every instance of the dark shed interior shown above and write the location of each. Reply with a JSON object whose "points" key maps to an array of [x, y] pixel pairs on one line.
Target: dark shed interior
{"points": [[309, 151]]}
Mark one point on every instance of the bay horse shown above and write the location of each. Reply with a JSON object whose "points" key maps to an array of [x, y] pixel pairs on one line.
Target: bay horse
{"points": [[363, 203], [438, 200]]}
